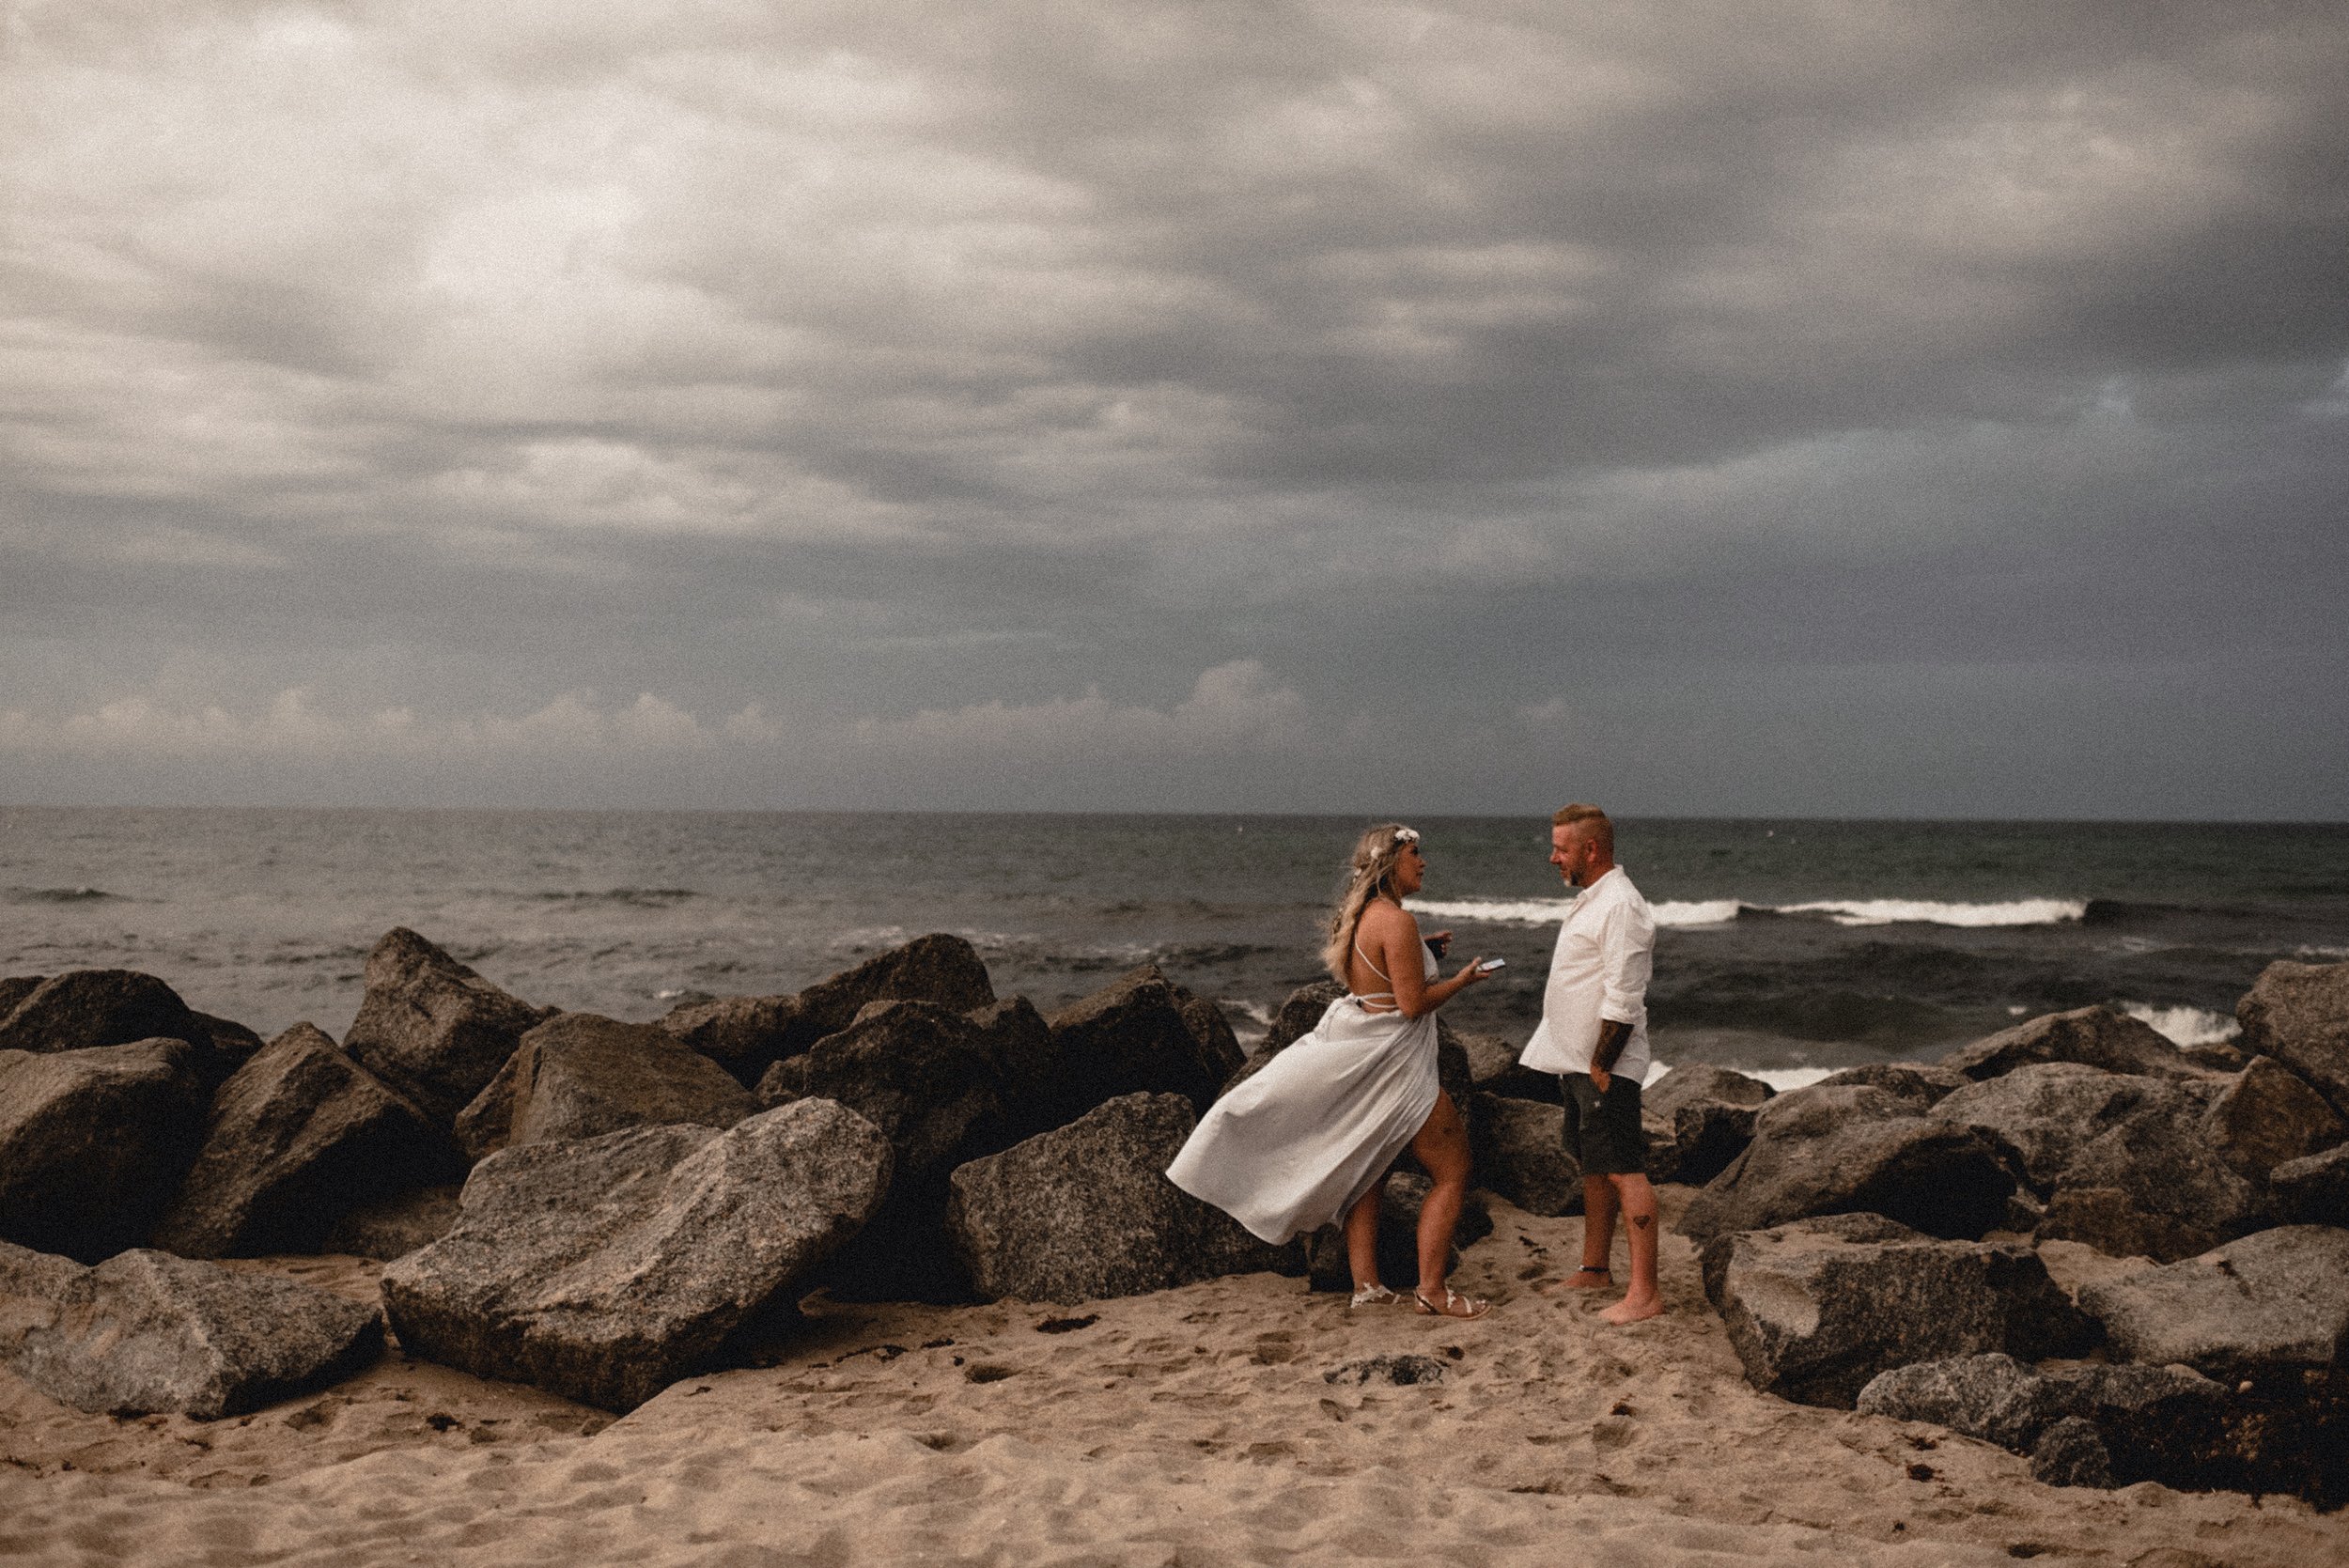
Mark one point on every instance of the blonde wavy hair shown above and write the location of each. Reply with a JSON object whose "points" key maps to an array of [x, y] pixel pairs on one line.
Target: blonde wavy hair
{"points": [[1370, 873]]}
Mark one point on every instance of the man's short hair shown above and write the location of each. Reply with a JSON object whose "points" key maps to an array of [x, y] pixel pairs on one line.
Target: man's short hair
{"points": [[1600, 829]]}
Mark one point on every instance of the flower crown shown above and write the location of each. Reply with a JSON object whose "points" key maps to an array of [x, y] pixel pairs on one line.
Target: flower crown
{"points": [[1406, 835]]}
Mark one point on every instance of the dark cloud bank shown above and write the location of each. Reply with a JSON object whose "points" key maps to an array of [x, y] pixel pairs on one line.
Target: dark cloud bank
{"points": [[1808, 409]]}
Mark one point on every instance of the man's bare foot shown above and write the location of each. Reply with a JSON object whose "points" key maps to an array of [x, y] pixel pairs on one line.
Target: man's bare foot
{"points": [[1585, 1278], [1631, 1309]]}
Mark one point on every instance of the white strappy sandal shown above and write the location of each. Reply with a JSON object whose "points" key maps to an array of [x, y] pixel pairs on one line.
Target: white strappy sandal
{"points": [[1454, 1305], [1373, 1295]]}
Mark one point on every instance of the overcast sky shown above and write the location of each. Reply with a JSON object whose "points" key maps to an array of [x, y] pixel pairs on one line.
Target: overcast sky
{"points": [[1822, 408]]}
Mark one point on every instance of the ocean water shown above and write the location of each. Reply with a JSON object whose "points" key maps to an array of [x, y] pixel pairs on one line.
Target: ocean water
{"points": [[1788, 947]]}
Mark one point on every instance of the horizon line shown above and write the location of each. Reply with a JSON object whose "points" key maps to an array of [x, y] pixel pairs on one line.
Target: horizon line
{"points": [[1039, 813]]}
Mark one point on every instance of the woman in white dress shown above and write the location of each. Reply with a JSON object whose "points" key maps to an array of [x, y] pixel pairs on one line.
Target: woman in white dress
{"points": [[1307, 1141]]}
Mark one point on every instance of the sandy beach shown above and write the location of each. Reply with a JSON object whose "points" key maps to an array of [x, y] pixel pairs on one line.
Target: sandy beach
{"points": [[1191, 1426]]}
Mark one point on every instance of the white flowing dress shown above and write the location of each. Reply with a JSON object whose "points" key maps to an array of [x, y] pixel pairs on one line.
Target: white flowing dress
{"points": [[1294, 1147]]}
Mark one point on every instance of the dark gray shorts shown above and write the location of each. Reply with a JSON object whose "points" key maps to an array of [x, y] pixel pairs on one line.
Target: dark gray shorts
{"points": [[1603, 1132]]}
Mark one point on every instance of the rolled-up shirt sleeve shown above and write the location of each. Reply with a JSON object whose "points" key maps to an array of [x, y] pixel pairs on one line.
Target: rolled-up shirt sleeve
{"points": [[1627, 960]]}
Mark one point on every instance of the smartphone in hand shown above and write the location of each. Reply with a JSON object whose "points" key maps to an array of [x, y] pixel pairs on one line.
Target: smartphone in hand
{"points": [[1492, 966]]}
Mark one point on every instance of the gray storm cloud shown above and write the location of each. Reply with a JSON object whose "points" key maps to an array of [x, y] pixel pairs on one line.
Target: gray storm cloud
{"points": [[1829, 408]]}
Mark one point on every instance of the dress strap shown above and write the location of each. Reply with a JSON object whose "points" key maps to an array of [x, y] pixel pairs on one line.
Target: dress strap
{"points": [[1368, 999]]}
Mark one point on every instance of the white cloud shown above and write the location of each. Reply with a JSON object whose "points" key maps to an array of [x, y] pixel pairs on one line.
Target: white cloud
{"points": [[143, 728], [1234, 706]]}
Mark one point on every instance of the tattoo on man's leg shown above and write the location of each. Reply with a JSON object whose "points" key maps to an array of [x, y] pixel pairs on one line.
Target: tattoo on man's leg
{"points": [[1643, 1220]]}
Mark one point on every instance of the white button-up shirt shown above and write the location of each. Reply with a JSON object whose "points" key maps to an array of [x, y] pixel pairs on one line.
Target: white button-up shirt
{"points": [[1606, 952]]}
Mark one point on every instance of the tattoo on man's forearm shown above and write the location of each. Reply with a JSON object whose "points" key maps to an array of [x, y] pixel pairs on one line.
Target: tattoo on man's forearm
{"points": [[1612, 1036]]}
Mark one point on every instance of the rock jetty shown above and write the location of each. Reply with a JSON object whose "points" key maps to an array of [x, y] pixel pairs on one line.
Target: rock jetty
{"points": [[601, 1207]]}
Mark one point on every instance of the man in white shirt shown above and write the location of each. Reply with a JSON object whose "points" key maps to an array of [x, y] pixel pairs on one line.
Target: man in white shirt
{"points": [[1593, 1035]]}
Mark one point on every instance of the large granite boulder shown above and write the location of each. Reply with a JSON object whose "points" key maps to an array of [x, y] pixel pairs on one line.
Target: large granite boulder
{"points": [[1027, 1066], [783, 1082], [2045, 1112], [146, 1332], [2299, 1015], [31, 1285], [1453, 1072], [1816, 1308], [2313, 1190], [1131, 1037], [15, 988], [432, 1028], [1698, 1119], [2275, 1301], [1519, 1150], [232, 1043], [1990, 1396], [1086, 1212], [394, 1227], [1327, 1269], [1298, 1012], [93, 1142], [2151, 1187], [1699, 1084], [1494, 1069], [2126, 1423], [930, 1079], [2269, 1115], [943, 971], [604, 1270], [1292, 1021], [2168, 1424], [925, 1076], [749, 1034], [1925, 1084], [2072, 1452], [579, 1074], [1218, 1043], [745, 1036], [297, 1136], [1841, 1151], [89, 1008], [83, 1009], [2091, 1036]]}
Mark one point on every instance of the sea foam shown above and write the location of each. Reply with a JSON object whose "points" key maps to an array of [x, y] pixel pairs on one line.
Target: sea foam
{"points": [[1780, 1079], [1906, 911], [2185, 1026], [1696, 913]]}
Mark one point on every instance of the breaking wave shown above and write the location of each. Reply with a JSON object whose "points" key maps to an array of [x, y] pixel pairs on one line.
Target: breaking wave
{"points": [[1904, 912], [59, 895], [1780, 1079], [638, 897], [1720, 911], [2185, 1026]]}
